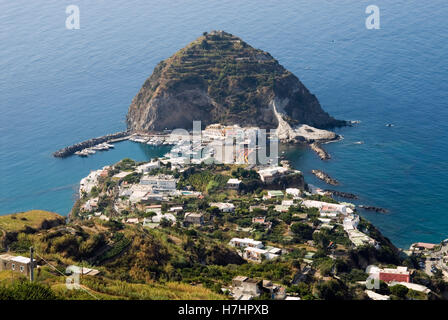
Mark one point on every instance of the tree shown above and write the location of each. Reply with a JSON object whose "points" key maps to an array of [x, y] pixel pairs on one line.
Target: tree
{"points": [[302, 289], [333, 290], [302, 231], [399, 290], [384, 288]]}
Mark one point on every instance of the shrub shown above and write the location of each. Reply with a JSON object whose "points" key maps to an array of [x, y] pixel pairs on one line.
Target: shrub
{"points": [[302, 231], [24, 290], [399, 290]]}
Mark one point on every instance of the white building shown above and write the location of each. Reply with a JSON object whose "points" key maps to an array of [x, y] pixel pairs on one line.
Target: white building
{"points": [[159, 217], [412, 286], [176, 209], [325, 206], [160, 182], [233, 184], [132, 220], [351, 222], [274, 194], [317, 190], [376, 296], [146, 167], [257, 254], [270, 174], [86, 184], [294, 192], [223, 206], [245, 242]]}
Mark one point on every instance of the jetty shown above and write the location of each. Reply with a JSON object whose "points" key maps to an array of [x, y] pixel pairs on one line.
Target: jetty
{"points": [[342, 194], [371, 208], [325, 177], [89, 145], [316, 147]]}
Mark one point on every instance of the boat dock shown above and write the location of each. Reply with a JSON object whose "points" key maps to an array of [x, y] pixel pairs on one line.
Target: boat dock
{"points": [[92, 145]]}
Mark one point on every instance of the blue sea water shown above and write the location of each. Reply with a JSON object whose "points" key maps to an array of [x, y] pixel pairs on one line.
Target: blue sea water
{"points": [[60, 86]]}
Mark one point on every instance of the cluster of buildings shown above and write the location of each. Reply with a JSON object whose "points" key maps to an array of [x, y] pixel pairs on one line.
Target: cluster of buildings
{"points": [[393, 276], [157, 217], [150, 189], [214, 144], [331, 213], [92, 180]]}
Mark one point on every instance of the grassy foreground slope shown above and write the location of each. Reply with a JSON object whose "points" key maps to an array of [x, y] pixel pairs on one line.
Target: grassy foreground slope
{"points": [[50, 285], [35, 219]]}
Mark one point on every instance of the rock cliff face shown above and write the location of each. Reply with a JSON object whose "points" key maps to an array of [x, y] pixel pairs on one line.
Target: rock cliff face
{"points": [[219, 78]]}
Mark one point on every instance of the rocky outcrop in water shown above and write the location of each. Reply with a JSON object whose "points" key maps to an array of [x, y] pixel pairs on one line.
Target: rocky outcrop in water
{"points": [[323, 155], [371, 208], [218, 78], [325, 177], [342, 194]]}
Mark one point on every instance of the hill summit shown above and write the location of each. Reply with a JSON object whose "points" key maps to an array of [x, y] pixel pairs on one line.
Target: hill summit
{"points": [[219, 78]]}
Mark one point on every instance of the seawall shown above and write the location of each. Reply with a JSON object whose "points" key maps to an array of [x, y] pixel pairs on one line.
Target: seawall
{"points": [[114, 137]]}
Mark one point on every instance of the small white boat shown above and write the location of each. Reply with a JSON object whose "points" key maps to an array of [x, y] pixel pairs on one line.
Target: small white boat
{"points": [[81, 153]]}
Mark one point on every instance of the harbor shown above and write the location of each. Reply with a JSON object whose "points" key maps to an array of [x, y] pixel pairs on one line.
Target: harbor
{"points": [[93, 145], [92, 150]]}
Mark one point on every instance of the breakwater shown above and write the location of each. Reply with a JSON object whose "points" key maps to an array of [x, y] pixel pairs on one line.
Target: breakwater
{"points": [[114, 137], [316, 147], [371, 208], [342, 194], [325, 177]]}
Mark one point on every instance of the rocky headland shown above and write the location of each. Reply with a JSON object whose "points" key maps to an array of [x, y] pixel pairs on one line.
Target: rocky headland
{"points": [[219, 78]]}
